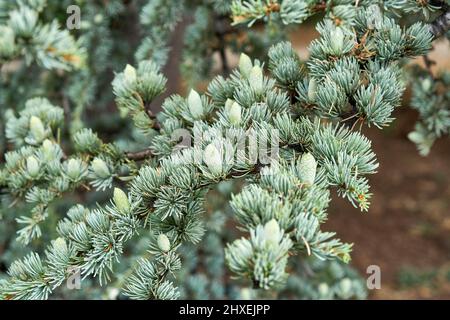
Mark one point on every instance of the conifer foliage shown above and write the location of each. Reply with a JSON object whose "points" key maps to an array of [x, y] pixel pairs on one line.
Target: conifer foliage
{"points": [[286, 129]]}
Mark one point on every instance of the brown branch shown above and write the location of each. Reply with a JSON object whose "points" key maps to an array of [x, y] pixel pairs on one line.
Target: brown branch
{"points": [[140, 155]]}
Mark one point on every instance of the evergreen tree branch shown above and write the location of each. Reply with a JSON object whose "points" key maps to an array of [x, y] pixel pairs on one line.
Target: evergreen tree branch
{"points": [[309, 108]]}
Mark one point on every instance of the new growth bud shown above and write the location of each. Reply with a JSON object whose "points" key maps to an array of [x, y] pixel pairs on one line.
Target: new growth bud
{"points": [[272, 232], [233, 110], [74, 168], [48, 150], [337, 40], [312, 90], [130, 75], [307, 168], [60, 244], [256, 79], [195, 104], [121, 201]]}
